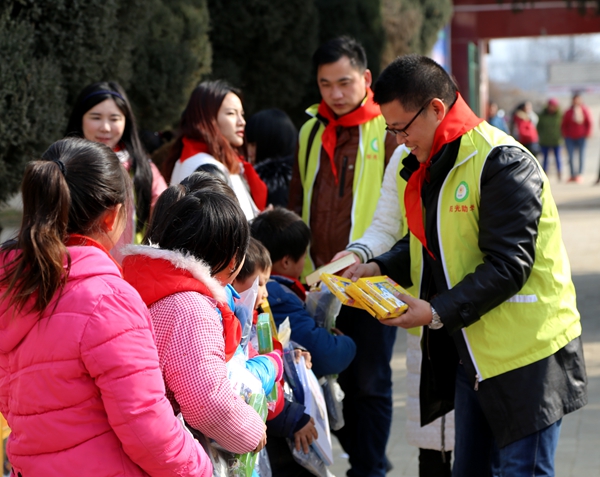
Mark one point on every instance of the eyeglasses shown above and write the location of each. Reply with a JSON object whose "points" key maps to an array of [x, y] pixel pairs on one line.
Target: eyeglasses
{"points": [[402, 131]]}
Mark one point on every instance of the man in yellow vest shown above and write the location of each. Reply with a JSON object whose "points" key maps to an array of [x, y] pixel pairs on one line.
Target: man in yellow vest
{"points": [[485, 260], [342, 153]]}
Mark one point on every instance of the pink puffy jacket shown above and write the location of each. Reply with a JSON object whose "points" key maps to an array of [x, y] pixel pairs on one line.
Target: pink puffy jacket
{"points": [[81, 386]]}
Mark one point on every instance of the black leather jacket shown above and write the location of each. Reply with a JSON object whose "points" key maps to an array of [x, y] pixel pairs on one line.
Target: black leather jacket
{"points": [[518, 402]]}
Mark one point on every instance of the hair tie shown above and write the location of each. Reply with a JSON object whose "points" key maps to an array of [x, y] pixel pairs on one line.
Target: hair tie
{"points": [[61, 166], [103, 91]]}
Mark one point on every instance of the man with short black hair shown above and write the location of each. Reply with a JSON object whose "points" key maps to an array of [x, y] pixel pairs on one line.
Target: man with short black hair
{"points": [[485, 260], [342, 153]]}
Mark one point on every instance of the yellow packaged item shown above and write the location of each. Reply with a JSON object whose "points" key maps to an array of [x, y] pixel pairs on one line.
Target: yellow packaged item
{"points": [[367, 302], [337, 286], [385, 291]]}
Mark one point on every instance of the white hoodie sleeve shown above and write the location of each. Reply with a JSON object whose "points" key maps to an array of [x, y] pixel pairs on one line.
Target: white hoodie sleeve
{"points": [[386, 228]]}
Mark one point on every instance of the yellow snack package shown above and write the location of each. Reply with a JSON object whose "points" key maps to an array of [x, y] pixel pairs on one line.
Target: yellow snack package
{"points": [[385, 291], [337, 286], [368, 302]]}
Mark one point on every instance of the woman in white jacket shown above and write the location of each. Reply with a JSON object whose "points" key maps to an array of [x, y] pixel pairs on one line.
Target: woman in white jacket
{"points": [[211, 133], [436, 440]]}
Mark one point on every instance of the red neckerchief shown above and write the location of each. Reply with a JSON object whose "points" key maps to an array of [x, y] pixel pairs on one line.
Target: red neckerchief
{"points": [[258, 189], [458, 120], [191, 147], [296, 286], [365, 112], [142, 272], [76, 240]]}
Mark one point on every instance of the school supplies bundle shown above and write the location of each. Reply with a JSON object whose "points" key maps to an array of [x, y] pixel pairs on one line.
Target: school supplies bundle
{"points": [[377, 295]]}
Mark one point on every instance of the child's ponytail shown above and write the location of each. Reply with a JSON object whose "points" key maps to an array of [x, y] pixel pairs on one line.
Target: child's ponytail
{"points": [[66, 192], [39, 268]]}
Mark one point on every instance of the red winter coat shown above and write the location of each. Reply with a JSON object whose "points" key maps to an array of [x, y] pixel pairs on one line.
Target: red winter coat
{"points": [[573, 130]]}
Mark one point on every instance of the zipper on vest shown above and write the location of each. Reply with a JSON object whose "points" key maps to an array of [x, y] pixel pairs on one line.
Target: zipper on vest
{"points": [[476, 387], [343, 175], [444, 438]]}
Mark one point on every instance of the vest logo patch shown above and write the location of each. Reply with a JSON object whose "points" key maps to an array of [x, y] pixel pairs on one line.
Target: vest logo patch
{"points": [[375, 145], [462, 192]]}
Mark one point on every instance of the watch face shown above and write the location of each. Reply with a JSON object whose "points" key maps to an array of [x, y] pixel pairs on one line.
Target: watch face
{"points": [[436, 324]]}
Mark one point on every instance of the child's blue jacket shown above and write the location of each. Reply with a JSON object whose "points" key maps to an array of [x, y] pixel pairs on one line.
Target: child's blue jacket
{"points": [[331, 354]]}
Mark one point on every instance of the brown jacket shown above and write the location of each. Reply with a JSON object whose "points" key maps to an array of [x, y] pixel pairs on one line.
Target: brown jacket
{"points": [[331, 207]]}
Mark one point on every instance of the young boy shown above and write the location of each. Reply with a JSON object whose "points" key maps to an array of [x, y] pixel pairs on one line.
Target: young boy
{"points": [[291, 422], [287, 238]]}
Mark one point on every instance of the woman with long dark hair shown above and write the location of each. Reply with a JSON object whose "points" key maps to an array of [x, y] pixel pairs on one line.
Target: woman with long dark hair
{"points": [[82, 389], [211, 131], [102, 113]]}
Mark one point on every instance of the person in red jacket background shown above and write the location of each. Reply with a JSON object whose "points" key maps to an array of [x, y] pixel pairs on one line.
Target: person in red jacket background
{"points": [[576, 127]]}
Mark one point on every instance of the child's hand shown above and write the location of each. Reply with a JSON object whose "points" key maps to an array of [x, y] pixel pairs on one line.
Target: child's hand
{"points": [[305, 436], [263, 441], [307, 357]]}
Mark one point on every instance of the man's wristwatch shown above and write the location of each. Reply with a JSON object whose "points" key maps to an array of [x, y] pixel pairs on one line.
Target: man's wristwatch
{"points": [[436, 322]]}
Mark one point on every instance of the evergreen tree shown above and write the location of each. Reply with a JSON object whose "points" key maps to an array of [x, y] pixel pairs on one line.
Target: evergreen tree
{"points": [[411, 26], [264, 47], [169, 61], [156, 49]]}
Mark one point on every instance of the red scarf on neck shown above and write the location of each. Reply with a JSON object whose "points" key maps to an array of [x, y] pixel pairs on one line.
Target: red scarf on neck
{"points": [[76, 240], [191, 147], [458, 120], [365, 112]]}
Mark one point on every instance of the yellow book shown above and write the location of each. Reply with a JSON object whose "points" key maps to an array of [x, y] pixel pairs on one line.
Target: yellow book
{"points": [[384, 291], [337, 286]]}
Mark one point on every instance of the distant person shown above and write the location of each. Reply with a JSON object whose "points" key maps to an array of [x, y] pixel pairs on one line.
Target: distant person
{"points": [[576, 127], [102, 113], [497, 118], [212, 131], [271, 143], [524, 129], [550, 135], [338, 172], [82, 387]]}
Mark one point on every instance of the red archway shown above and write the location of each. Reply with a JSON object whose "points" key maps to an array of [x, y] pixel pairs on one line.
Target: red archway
{"points": [[475, 22]]}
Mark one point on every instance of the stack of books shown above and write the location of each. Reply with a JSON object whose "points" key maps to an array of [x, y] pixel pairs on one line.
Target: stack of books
{"points": [[377, 295]]}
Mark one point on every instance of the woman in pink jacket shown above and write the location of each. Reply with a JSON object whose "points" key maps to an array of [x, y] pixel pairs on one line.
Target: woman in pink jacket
{"points": [[80, 383]]}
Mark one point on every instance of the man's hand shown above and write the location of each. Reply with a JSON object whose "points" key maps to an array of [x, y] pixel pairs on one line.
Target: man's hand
{"points": [[358, 270], [343, 253], [305, 436], [418, 313]]}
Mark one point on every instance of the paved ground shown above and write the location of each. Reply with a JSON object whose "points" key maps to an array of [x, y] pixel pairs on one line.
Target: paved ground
{"points": [[578, 450]]}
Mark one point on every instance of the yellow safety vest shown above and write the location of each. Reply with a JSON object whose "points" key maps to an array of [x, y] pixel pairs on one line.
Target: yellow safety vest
{"points": [[368, 174], [539, 320]]}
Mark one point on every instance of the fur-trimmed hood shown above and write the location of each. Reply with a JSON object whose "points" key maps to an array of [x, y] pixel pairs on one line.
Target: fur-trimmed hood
{"points": [[156, 273]]}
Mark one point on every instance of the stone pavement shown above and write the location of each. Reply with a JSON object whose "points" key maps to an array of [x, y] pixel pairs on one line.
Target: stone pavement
{"points": [[578, 451]]}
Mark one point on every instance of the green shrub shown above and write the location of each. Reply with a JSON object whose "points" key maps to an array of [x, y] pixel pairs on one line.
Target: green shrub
{"points": [[156, 49]]}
